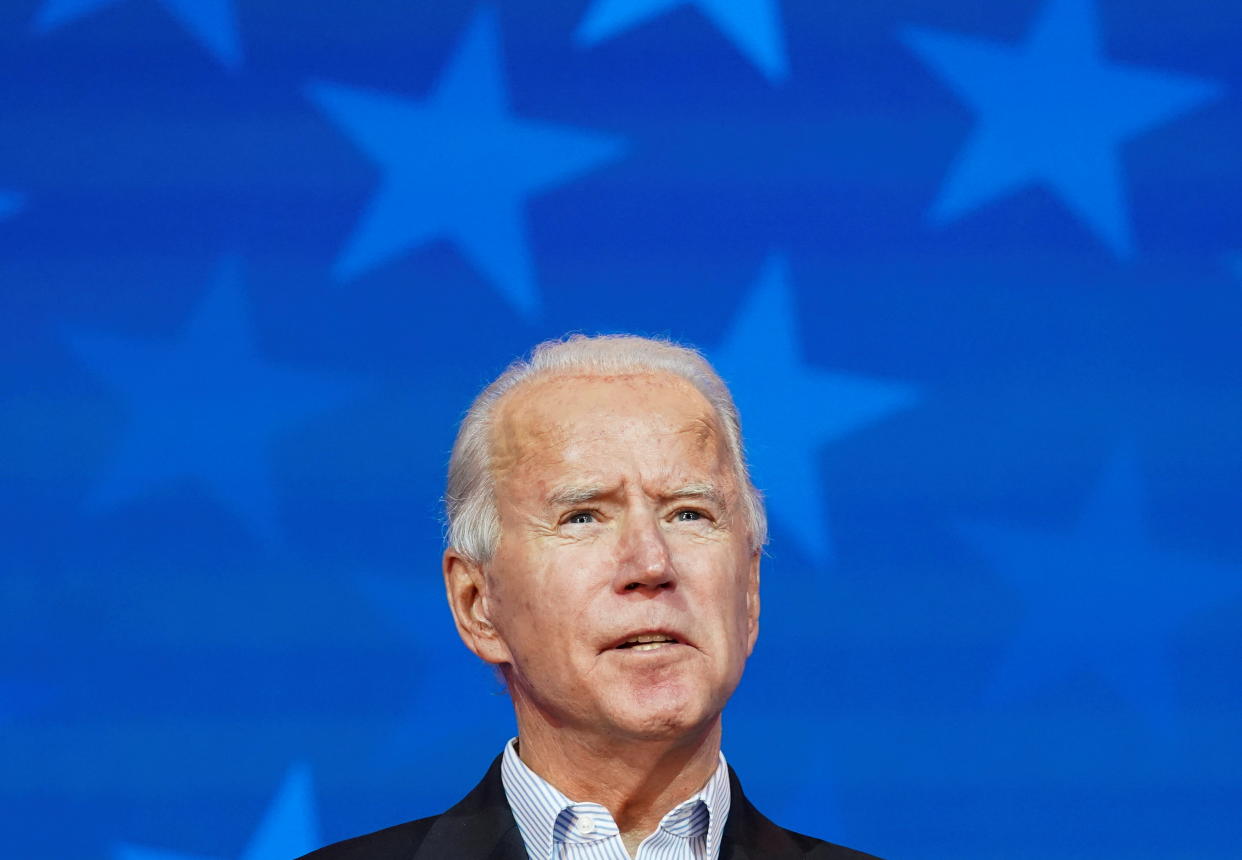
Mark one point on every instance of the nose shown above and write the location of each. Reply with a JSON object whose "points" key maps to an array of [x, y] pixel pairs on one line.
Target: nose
{"points": [[643, 560]]}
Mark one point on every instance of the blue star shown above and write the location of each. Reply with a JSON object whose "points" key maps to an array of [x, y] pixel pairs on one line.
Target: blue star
{"points": [[212, 22], [205, 408], [289, 827], [1052, 111], [754, 26], [1100, 598], [11, 203], [792, 410], [458, 165]]}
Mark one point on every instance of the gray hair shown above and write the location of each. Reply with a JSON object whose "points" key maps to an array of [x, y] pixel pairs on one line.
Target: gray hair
{"points": [[470, 500]]}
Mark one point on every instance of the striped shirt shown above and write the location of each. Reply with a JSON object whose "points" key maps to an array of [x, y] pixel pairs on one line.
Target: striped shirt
{"points": [[557, 828]]}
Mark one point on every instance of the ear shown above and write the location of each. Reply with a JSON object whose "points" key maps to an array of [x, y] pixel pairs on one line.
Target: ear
{"points": [[466, 586], [752, 602]]}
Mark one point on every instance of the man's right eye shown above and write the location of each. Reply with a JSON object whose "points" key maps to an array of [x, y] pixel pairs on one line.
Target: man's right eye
{"points": [[580, 518]]}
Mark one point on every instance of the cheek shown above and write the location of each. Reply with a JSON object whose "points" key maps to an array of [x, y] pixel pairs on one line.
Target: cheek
{"points": [[732, 599], [547, 617]]}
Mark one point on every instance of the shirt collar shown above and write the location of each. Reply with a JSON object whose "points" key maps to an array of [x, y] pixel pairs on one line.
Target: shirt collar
{"points": [[538, 808]]}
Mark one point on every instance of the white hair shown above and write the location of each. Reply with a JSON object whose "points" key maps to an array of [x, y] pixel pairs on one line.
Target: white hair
{"points": [[470, 499]]}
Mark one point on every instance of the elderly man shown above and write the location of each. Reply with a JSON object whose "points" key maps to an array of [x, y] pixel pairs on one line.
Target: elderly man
{"points": [[605, 541]]}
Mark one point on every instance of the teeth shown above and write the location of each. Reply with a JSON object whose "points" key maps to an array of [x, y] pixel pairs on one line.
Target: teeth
{"points": [[647, 641]]}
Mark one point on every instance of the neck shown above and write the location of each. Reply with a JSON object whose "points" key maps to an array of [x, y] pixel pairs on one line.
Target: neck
{"points": [[637, 780]]}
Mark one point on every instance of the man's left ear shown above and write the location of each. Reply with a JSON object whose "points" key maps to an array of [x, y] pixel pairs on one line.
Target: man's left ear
{"points": [[752, 602]]}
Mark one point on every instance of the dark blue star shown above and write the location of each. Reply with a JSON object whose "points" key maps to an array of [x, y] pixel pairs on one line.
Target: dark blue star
{"points": [[754, 26], [1052, 111], [205, 407], [458, 165], [792, 410], [1100, 598], [212, 22], [11, 203], [289, 827]]}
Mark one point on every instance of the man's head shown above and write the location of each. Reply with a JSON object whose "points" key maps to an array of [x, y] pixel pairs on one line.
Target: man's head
{"points": [[598, 494]]}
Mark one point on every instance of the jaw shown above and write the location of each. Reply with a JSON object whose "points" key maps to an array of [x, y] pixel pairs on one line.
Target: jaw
{"points": [[656, 696]]}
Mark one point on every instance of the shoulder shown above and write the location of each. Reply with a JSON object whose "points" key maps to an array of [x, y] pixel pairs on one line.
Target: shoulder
{"points": [[391, 843], [480, 825], [772, 840], [749, 833], [818, 849]]}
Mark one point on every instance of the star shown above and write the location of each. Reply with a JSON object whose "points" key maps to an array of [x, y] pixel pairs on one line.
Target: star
{"points": [[212, 22], [1100, 598], [206, 407], [289, 827], [458, 165], [11, 203], [1052, 111], [792, 410], [754, 26]]}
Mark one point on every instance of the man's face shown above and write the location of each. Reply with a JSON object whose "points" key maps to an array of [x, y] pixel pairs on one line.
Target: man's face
{"points": [[620, 519]]}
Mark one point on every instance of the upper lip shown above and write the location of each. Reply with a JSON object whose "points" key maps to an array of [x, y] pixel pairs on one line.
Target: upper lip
{"points": [[647, 631]]}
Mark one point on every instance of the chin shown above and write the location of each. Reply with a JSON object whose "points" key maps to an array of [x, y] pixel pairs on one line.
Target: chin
{"points": [[663, 715]]}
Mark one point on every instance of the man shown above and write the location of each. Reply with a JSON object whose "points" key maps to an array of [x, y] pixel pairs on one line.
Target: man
{"points": [[605, 541]]}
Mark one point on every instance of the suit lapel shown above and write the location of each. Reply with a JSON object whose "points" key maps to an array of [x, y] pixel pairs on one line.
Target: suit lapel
{"points": [[480, 827], [510, 846], [749, 835]]}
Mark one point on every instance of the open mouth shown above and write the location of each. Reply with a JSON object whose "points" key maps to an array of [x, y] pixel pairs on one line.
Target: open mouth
{"points": [[647, 642]]}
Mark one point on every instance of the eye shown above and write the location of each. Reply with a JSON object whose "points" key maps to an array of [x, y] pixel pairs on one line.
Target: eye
{"points": [[580, 518], [688, 516]]}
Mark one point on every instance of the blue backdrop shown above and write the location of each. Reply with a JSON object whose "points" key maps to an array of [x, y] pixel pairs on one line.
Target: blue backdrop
{"points": [[971, 268]]}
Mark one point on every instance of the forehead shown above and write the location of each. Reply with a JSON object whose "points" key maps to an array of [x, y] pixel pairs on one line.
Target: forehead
{"points": [[574, 423]]}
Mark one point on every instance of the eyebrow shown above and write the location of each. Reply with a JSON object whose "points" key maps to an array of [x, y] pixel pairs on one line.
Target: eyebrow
{"points": [[577, 495], [700, 490], [581, 494]]}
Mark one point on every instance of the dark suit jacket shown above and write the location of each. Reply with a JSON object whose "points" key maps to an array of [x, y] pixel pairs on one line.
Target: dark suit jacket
{"points": [[481, 827]]}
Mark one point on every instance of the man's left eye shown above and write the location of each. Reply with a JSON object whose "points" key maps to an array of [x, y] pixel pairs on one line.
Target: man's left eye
{"points": [[688, 516]]}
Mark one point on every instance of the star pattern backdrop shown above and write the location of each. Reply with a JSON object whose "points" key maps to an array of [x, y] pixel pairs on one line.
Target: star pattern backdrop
{"points": [[972, 269]]}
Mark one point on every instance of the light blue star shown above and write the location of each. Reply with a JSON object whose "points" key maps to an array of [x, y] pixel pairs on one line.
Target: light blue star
{"points": [[754, 26], [11, 203], [212, 22], [1100, 598], [289, 827], [1052, 111], [206, 407], [791, 410], [458, 165]]}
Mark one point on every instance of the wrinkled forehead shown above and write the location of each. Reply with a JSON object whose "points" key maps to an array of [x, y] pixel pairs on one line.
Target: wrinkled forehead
{"points": [[545, 420]]}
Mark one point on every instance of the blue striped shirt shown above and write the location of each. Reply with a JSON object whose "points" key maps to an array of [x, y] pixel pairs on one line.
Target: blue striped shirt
{"points": [[557, 828]]}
